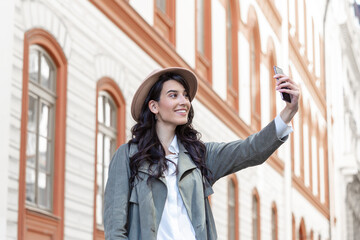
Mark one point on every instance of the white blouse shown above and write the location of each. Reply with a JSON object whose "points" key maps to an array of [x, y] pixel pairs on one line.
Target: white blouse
{"points": [[175, 223]]}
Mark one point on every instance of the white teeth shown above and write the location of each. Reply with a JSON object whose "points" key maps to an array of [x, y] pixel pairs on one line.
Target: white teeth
{"points": [[182, 111]]}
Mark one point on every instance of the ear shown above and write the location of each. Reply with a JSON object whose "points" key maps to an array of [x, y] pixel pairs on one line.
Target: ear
{"points": [[153, 106]]}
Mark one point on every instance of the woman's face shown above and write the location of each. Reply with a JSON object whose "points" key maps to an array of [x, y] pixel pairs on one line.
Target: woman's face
{"points": [[173, 107]]}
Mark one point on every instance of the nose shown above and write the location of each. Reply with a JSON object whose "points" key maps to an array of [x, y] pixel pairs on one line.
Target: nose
{"points": [[183, 100]]}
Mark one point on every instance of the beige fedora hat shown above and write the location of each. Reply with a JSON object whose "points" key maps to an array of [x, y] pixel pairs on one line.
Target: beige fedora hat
{"points": [[150, 80]]}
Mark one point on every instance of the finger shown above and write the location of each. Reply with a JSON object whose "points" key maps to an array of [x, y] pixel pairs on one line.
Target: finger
{"points": [[288, 85], [294, 93], [283, 78]]}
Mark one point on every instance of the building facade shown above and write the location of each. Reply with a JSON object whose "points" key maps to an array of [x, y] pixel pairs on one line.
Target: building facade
{"points": [[70, 71], [342, 29]]}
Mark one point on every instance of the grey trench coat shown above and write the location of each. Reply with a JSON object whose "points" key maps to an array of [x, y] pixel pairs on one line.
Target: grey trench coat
{"points": [[135, 213]]}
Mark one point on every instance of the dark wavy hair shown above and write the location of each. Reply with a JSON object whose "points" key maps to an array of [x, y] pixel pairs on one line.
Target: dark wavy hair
{"points": [[149, 146]]}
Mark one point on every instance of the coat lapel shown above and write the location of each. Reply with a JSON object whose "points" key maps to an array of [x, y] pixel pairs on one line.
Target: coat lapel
{"points": [[185, 163]]}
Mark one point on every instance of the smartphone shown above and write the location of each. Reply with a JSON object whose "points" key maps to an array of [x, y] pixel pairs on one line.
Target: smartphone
{"points": [[284, 96]]}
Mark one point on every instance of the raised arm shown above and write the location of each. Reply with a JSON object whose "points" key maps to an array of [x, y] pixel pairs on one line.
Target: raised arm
{"points": [[226, 158]]}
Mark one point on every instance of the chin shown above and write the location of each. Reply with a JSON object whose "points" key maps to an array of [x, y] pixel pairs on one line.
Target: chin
{"points": [[182, 122]]}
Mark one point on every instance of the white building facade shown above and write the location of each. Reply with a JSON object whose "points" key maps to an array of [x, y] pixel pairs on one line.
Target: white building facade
{"points": [[342, 29], [70, 69]]}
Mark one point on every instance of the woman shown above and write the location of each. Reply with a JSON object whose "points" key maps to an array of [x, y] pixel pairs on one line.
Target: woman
{"points": [[159, 182]]}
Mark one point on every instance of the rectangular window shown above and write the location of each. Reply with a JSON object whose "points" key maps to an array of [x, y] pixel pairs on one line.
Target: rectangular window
{"points": [[164, 19], [203, 39]]}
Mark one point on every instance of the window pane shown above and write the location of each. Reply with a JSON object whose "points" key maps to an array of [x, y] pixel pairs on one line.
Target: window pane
{"points": [[113, 115], [44, 160], [107, 113], [44, 120], [200, 27], [31, 148], [44, 190], [253, 73], [231, 209], [30, 184], [101, 109], [100, 161], [161, 5], [229, 44], [34, 65], [45, 73], [99, 207], [99, 177], [32, 114], [107, 156]]}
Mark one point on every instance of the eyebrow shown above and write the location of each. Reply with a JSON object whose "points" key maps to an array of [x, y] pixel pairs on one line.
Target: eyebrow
{"points": [[175, 91]]}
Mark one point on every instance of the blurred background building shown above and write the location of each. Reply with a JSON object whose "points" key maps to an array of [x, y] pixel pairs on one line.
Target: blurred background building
{"points": [[342, 44], [70, 69]]}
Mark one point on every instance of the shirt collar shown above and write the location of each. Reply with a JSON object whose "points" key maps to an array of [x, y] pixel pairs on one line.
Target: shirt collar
{"points": [[174, 147]]}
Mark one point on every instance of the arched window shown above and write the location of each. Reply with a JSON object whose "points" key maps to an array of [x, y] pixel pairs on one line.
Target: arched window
{"points": [[274, 222], [302, 230], [232, 54], [42, 149], [203, 39], [233, 208], [40, 129], [255, 50], [256, 216], [110, 130], [164, 19]]}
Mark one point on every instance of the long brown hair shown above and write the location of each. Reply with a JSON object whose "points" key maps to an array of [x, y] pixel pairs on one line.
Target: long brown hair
{"points": [[149, 146]]}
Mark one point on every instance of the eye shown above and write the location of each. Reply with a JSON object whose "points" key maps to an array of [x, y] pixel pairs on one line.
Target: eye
{"points": [[173, 95]]}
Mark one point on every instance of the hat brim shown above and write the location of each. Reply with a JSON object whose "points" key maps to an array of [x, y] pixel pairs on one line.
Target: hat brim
{"points": [[152, 78]]}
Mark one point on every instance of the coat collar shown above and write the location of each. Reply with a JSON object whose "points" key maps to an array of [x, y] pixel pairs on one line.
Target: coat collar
{"points": [[185, 163]]}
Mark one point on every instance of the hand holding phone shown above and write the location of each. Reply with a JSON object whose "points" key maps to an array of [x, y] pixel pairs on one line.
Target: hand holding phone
{"points": [[284, 96]]}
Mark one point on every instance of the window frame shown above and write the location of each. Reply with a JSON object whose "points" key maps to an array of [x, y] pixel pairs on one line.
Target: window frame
{"points": [[233, 88], [166, 20], [203, 61], [29, 217]]}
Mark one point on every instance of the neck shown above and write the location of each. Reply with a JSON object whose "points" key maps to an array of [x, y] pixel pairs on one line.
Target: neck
{"points": [[166, 135]]}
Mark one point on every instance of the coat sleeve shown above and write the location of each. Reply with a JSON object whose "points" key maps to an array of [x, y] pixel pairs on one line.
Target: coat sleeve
{"points": [[226, 158], [117, 194]]}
